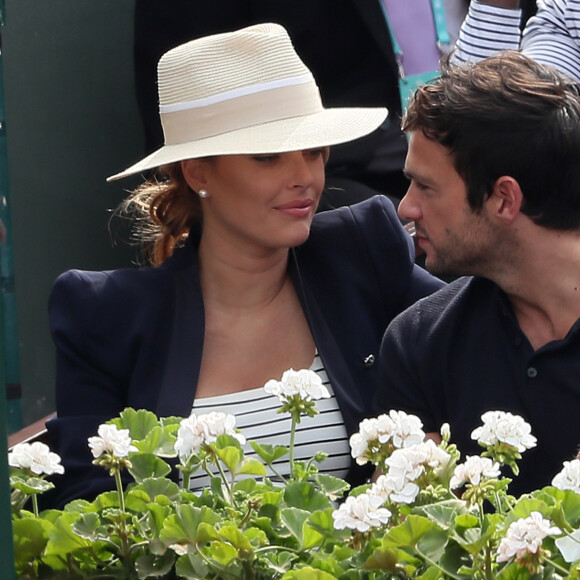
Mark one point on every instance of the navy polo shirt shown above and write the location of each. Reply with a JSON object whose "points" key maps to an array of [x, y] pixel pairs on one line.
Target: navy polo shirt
{"points": [[460, 352]]}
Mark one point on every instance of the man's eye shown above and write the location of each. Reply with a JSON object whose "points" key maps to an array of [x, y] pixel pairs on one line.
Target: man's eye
{"points": [[315, 153]]}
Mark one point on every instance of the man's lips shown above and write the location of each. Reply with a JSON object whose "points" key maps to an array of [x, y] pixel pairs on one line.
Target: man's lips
{"points": [[296, 208]]}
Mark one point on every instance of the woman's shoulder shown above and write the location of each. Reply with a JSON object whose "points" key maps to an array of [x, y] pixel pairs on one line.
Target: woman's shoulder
{"points": [[127, 286]]}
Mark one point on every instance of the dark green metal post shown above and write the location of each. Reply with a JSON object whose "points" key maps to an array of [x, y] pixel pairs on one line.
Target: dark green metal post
{"points": [[9, 328], [6, 541]]}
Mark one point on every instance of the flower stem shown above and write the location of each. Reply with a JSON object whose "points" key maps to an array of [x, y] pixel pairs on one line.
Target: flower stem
{"points": [[292, 437], [35, 505], [558, 567], [120, 493]]}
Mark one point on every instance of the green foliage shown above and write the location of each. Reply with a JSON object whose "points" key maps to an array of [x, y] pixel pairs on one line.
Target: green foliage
{"points": [[247, 526]]}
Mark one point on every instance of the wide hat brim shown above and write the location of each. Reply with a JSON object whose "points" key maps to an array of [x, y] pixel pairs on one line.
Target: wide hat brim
{"points": [[324, 128]]}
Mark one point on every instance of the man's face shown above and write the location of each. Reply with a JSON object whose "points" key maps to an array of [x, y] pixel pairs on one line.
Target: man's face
{"points": [[454, 238]]}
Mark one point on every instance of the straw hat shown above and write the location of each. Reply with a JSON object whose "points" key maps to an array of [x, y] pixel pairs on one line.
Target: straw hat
{"points": [[245, 92]]}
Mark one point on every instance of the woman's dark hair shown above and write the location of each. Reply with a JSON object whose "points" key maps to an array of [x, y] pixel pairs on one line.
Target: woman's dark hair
{"points": [[164, 208], [508, 115]]}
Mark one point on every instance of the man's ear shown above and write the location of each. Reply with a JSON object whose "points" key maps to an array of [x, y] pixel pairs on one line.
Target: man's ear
{"points": [[505, 201], [195, 173]]}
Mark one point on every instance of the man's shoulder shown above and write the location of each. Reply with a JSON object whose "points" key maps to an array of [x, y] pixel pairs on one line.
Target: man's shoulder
{"points": [[452, 301]]}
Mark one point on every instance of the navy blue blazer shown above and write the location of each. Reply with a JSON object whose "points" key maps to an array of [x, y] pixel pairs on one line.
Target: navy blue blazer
{"points": [[134, 337]]}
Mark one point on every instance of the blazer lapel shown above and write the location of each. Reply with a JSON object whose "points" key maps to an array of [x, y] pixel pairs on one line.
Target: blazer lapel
{"points": [[185, 344], [349, 398]]}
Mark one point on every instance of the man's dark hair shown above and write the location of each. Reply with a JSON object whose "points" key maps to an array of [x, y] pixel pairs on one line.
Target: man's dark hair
{"points": [[508, 115]]}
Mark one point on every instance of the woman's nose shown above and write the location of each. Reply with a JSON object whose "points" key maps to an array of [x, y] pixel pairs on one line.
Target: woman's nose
{"points": [[301, 171]]}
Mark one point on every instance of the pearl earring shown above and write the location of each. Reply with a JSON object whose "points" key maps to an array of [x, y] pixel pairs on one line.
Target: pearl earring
{"points": [[203, 193]]}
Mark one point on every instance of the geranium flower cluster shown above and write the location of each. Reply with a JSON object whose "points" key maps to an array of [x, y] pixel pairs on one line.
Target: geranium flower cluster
{"points": [[474, 470], [35, 457], [111, 440], [304, 383], [411, 460], [197, 431], [523, 541], [378, 437], [506, 437]]}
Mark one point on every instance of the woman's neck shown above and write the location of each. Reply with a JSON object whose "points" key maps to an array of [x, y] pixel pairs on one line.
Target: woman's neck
{"points": [[237, 280]]}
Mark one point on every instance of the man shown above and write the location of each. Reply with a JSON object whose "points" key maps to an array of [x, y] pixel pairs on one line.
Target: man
{"points": [[494, 165]]}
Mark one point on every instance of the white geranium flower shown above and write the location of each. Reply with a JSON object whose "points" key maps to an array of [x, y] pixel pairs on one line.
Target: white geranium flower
{"points": [[359, 442], [502, 427], [569, 546], [525, 536], [408, 429], [473, 470], [305, 383], [111, 440], [396, 487], [398, 428], [434, 457], [404, 466], [569, 477], [361, 513], [37, 457], [199, 430], [401, 429]]}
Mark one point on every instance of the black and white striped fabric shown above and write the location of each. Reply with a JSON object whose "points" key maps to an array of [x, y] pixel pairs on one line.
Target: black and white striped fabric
{"points": [[551, 37], [258, 419]]}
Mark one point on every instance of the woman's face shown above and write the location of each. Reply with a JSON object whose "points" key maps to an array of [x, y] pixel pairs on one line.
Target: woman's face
{"points": [[259, 202]]}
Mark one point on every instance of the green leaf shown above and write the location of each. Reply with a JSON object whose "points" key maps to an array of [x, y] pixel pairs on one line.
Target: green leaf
{"points": [[87, 526], [432, 544], [159, 486], [308, 573], [268, 453], [294, 519], [333, 487], [444, 513], [184, 524], [150, 566], [235, 537], [157, 516], [230, 456], [107, 499], [222, 552], [63, 539], [30, 538], [323, 522], [409, 532], [251, 466], [191, 566], [152, 441], [139, 422], [206, 533], [147, 465], [30, 485], [305, 496], [387, 557]]}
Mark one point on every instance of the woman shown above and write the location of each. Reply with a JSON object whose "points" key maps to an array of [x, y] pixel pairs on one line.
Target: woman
{"points": [[246, 282]]}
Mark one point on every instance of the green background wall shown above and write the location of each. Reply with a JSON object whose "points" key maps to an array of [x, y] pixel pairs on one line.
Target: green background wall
{"points": [[71, 120]]}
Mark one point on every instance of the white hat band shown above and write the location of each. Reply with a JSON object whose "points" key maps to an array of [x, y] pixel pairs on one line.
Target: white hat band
{"points": [[238, 112]]}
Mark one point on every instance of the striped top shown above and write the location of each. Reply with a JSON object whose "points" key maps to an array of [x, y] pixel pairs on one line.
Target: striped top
{"points": [[258, 420], [551, 37]]}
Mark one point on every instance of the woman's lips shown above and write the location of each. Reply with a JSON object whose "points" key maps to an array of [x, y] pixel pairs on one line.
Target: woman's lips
{"points": [[299, 208]]}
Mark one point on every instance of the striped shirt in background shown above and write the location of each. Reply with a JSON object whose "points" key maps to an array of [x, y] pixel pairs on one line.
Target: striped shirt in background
{"points": [[258, 419], [551, 37]]}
